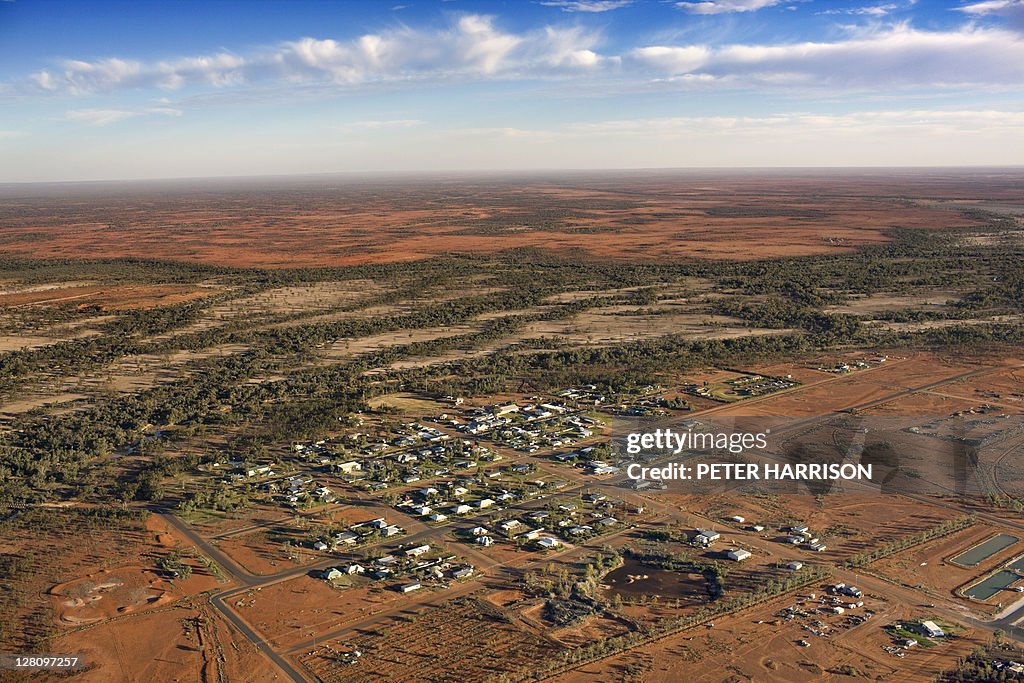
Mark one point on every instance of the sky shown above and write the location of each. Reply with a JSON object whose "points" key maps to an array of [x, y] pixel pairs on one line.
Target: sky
{"points": [[130, 89]]}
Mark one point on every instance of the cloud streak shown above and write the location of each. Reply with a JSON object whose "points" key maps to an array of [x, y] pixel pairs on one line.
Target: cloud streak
{"points": [[726, 6], [474, 48], [105, 117]]}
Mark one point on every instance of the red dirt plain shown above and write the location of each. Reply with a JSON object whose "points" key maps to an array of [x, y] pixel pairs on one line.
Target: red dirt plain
{"points": [[332, 220]]}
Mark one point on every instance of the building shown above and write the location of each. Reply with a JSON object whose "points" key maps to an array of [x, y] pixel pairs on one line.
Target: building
{"points": [[795, 566], [932, 630], [548, 543], [418, 550], [350, 467], [737, 554], [410, 587], [706, 536]]}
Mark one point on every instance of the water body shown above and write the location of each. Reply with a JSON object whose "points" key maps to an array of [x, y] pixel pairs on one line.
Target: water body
{"points": [[998, 582], [981, 552]]}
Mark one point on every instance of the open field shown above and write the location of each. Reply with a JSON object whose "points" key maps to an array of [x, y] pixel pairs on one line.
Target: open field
{"points": [[646, 217]]}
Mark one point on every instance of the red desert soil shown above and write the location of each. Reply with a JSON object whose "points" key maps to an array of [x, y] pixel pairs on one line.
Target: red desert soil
{"points": [[344, 221]]}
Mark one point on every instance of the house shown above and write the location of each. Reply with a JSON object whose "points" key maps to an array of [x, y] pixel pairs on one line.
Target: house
{"points": [[736, 518], [355, 569], [350, 467], [795, 566], [320, 545], [506, 409], [331, 574], [485, 541], [346, 537], [799, 529], [484, 503], [461, 509], [390, 530], [479, 531], [737, 554], [410, 587], [438, 517], [510, 524], [418, 550], [462, 573], [607, 521], [932, 630], [532, 535], [548, 543], [818, 547], [706, 536], [378, 523]]}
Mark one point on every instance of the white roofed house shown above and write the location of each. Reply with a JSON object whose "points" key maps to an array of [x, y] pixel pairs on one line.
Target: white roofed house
{"points": [[737, 554], [347, 537], [350, 467], [706, 536]]}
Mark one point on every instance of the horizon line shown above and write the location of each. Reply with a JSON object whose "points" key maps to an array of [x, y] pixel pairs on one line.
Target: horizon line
{"points": [[426, 173]]}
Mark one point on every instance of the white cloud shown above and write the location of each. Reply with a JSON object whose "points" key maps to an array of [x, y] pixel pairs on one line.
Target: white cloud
{"points": [[105, 117], [868, 10], [1010, 10], [920, 122], [383, 123], [992, 6], [587, 5], [896, 56], [673, 60], [472, 47], [725, 6]]}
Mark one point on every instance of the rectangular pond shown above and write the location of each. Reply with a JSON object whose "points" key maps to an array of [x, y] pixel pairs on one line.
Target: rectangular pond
{"points": [[997, 583], [972, 557]]}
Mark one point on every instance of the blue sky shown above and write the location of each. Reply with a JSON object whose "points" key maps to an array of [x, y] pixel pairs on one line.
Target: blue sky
{"points": [[102, 90]]}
